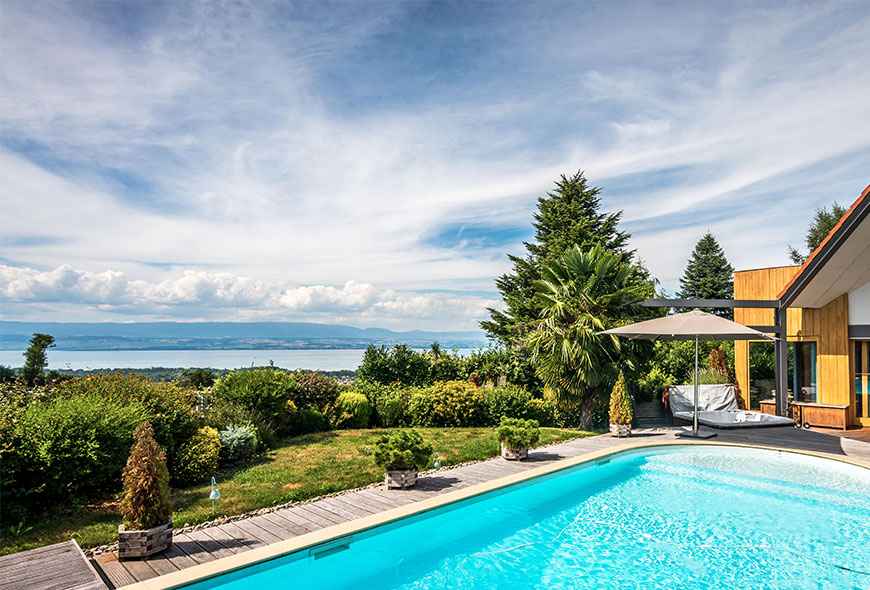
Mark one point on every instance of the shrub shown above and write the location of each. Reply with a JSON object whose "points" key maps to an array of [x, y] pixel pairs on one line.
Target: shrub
{"points": [[652, 384], [709, 376], [517, 433], [393, 408], [198, 457], [448, 403], [399, 364], [620, 403], [7, 374], [308, 420], [221, 414], [239, 444], [170, 409], [402, 450], [445, 366], [389, 402], [264, 391], [196, 378], [510, 401], [76, 446], [315, 390], [13, 403], [351, 410], [542, 410], [145, 502]]}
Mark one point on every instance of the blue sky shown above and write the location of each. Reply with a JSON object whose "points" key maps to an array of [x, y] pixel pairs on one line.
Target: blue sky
{"points": [[373, 162]]}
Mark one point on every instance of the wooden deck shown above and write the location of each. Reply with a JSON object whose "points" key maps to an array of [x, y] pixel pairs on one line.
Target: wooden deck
{"points": [[53, 567], [219, 541]]}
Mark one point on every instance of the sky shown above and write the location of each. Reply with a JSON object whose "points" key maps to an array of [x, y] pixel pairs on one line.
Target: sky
{"points": [[372, 163]]}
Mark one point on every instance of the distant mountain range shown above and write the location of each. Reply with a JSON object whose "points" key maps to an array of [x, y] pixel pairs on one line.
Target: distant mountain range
{"points": [[223, 336]]}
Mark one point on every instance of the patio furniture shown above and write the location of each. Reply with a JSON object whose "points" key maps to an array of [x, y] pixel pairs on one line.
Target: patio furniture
{"points": [[693, 325], [815, 414]]}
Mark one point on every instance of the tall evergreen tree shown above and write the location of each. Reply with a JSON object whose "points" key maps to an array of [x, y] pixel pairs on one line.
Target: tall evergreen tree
{"points": [[567, 216], [823, 222], [708, 275]]}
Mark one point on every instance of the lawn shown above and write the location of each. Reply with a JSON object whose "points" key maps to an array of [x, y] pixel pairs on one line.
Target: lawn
{"points": [[302, 467]]}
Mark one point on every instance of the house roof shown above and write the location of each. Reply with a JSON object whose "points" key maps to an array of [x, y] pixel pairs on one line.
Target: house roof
{"points": [[838, 265]]}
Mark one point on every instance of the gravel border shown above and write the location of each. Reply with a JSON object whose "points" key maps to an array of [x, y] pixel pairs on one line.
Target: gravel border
{"points": [[112, 547]]}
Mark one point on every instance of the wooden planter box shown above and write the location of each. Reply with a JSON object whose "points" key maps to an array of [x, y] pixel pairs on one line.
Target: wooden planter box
{"points": [[400, 479], [620, 430], [514, 454], [137, 544]]}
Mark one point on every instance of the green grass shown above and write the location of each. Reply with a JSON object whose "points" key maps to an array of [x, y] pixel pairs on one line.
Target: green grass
{"points": [[301, 468]]}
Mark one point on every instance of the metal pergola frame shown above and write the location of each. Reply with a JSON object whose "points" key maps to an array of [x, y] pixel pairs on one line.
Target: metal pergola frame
{"points": [[778, 329]]}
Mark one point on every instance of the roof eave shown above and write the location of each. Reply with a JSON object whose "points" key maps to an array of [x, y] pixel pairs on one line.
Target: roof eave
{"points": [[832, 242]]}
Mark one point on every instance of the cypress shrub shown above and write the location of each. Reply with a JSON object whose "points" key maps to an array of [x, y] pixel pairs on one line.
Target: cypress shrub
{"points": [[146, 502]]}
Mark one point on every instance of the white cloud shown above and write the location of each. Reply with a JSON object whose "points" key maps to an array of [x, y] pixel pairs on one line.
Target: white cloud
{"points": [[236, 297]]}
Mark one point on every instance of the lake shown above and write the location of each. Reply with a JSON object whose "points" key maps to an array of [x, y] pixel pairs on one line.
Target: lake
{"points": [[320, 360]]}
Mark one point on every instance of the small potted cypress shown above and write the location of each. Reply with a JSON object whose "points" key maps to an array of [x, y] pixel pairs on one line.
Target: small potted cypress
{"points": [[146, 505], [621, 413], [517, 436], [402, 454]]}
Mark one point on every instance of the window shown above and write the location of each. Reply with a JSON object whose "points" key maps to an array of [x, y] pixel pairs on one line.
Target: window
{"points": [[802, 371], [762, 372], [862, 375]]}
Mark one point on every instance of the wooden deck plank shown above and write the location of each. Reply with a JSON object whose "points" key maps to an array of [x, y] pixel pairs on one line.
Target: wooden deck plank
{"points": [[61, 566], [260, 533], [324, 514], [290, 528], [269, 526], [239, 536], [299, 519]]}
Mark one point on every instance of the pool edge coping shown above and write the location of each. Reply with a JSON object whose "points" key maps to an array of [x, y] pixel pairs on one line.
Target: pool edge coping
{"points": [[225, 565]]}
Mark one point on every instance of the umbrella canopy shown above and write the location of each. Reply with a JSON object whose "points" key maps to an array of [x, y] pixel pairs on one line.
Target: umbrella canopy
{"points": [[690, 325]]}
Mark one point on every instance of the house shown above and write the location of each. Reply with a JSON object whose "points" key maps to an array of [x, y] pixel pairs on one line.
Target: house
{"points": [[823, 307]]}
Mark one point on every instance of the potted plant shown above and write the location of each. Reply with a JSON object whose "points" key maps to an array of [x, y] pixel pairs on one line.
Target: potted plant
{"points": [[145, 502], [402, 454], [516, 436], [621, 413]]}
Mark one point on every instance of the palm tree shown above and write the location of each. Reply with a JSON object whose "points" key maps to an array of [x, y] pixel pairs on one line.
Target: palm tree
{"points": [[579, 295]]}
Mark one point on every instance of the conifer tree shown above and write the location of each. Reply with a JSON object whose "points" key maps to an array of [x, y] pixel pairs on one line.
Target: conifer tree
{"points": [[708, 274], [567, 216], [823, 222]]}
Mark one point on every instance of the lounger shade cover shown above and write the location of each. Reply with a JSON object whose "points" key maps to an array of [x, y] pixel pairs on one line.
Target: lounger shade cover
{"points": [[710, 397], [688, 326]]}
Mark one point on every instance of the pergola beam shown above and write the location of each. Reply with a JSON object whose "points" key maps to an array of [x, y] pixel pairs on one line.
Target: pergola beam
{"points": [[713, 303]]}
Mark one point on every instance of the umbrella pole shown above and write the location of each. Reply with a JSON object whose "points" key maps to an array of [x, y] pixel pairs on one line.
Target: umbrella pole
{"points": [[697, 378]]}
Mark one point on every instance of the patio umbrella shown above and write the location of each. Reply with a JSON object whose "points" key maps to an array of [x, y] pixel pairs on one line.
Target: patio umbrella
{"points": [[692, 325]]}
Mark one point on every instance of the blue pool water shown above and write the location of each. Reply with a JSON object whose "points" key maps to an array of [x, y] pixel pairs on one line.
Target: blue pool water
{"points": [[673, 517]]}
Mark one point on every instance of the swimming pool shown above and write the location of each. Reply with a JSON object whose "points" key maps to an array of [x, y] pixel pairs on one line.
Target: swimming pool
{"points": [[669, 517]]}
